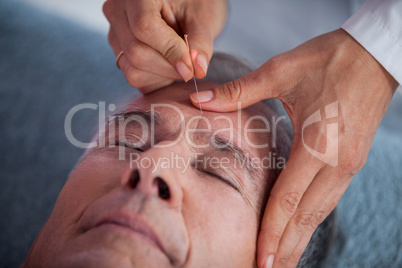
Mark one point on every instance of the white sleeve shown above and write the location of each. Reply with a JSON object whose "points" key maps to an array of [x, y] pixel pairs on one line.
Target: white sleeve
{"points": [[377, 26]]}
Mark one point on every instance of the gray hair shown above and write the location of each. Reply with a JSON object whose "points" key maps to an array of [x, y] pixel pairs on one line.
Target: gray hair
{"points": [[224, 68]]}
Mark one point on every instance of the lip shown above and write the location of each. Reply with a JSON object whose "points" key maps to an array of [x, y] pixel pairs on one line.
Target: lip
{"points": [[135, 225]]}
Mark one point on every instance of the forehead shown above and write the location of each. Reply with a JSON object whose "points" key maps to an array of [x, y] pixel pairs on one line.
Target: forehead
{"points": [[173, 105]]}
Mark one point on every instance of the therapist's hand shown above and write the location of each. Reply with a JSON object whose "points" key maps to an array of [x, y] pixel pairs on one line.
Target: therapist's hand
{"points": [[351, 91], [150, 35]]}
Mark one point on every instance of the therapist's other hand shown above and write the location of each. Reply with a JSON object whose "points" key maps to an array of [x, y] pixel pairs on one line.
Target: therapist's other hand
{"points": [[150, 35], [331, 74]]}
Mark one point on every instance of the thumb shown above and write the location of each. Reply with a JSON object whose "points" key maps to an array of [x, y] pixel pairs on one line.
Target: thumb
{"points": [[260, 84]]}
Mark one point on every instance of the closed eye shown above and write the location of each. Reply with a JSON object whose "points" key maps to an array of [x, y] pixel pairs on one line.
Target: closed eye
{"points": [[128, 145], [212, 174]]}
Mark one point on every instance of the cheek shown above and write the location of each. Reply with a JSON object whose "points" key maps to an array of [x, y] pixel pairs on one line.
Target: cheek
{"points": [[93, 178], [222, 228]]}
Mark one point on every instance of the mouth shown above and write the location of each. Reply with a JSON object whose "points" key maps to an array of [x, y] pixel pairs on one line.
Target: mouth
{"points": [[119, 225], [134, 226]]}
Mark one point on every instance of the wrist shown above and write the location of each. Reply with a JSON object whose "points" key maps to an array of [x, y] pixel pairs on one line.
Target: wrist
{"points": [[373, 68]]}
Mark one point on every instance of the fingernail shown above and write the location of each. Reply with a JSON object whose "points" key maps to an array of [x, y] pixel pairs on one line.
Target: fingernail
{"points": [[184, 71], [269, 261], [204, 96], [202, 61]]}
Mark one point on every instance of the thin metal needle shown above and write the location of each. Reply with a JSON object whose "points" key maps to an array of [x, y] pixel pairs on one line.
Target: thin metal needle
{"points": [[195, 82], [196, 89]]}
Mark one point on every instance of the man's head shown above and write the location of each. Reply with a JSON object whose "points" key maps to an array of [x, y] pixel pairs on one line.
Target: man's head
{"points": [[169, 187]]}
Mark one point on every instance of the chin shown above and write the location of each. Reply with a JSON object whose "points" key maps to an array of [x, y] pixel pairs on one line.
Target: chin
{"points": [[92, 259], [104, 258], [97, 253]]}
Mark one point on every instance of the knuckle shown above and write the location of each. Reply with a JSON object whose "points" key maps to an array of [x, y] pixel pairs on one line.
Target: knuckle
{"points": [[333, 205], [108, 9], [231, 90], [277, 64], [134, 79], [352, 160], [282, 69], [236, 90], [135, 83], [319, 218], [282, 261], [289, 202], [144, 26], [146, 29], [273, 64], [171, 51], [136, 54], [303, 220], [144, 90]]}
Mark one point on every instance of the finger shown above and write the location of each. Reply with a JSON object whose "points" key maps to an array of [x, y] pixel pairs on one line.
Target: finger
{"points": [[169, 17], [148, 26], [201, 47], [274, 79], [328, 206], [151, 88], [285, 196], [145, 82], [139, 54], [114, 43], [309, 213], [202, 27]]}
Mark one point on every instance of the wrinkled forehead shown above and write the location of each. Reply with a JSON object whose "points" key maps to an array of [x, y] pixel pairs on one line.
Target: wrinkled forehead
{"points": [[249, 128]]}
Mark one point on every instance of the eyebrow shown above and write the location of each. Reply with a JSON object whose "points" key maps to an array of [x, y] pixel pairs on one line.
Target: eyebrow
{"points": [[148, 116]]}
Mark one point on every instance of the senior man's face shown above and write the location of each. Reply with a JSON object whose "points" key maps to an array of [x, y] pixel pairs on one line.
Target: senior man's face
{"points": [[168, 203]]}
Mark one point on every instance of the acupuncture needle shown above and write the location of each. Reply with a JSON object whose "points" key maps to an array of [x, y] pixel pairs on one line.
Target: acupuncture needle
{"points": [[195, 82]]}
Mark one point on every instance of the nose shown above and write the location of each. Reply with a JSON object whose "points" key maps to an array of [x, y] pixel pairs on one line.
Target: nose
{"points": [[158, 184]]}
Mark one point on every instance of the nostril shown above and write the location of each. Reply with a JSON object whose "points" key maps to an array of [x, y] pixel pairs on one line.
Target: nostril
{"points": [[163, 189], [134, 179]]}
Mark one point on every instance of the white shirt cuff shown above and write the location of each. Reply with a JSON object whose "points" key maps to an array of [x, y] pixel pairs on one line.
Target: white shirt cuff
{"points": [[377, 26]]}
